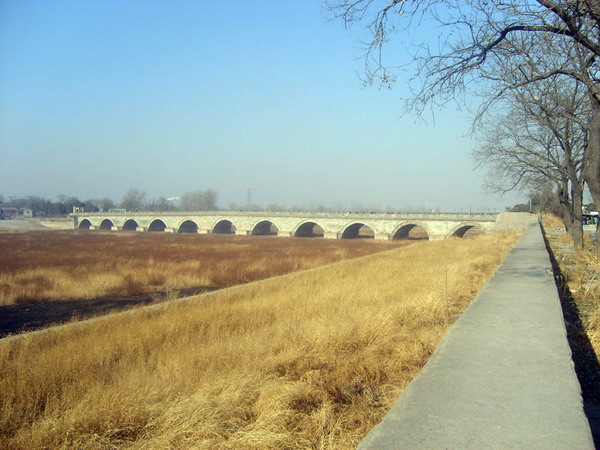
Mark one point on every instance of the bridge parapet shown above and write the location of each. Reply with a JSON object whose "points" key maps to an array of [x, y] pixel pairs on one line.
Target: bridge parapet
{"points": [[481, 216]]}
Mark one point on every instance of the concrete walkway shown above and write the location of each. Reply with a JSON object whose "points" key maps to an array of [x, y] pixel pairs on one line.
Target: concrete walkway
{"points": [[503, 375]]}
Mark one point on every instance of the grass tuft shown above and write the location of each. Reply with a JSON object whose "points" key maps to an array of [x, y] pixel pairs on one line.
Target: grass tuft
{"points": [[551, 221]]}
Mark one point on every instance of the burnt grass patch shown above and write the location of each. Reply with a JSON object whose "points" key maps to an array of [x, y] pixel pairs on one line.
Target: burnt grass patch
{"points": [[33, 315]]}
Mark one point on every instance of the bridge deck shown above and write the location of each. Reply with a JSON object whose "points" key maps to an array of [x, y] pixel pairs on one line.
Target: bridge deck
{"points": [[503, 376]]}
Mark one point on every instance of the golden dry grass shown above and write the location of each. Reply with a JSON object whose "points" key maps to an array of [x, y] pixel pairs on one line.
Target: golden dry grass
{"points": [[582, 274], [580, 286], [64, 265], [551, 221], [310, 360]]}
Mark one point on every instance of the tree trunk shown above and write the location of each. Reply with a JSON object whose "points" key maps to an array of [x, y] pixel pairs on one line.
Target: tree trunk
{"points": [[570, 209], [577, 215], [576, 206], [591, 163], [565, 205]]}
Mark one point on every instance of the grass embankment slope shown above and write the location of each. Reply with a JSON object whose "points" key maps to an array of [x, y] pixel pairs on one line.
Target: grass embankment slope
{"points": [[582, 274], [580, 285], [310, 360], [64, 265]]}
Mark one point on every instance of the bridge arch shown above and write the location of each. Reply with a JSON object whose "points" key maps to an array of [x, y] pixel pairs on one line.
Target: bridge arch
{"points": [[358, 230], [130, 225], [411, 231], [466, 231], [157, 225], [188, 226], [85, 224], [309, 228], [106, 224], [264, 227], [223, 226]]}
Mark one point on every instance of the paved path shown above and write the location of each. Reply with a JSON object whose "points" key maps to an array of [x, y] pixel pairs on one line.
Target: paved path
{"points": [[503, 376]]}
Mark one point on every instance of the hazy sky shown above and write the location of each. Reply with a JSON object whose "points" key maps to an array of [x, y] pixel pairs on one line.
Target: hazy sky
{"points": [[100, 96]]}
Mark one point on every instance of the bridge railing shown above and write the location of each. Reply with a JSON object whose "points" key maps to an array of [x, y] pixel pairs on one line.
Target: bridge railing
{"points": [[479, 216]]}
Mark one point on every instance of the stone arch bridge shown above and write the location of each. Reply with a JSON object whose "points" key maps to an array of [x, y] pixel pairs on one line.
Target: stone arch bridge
{"points": [[304, 224]]}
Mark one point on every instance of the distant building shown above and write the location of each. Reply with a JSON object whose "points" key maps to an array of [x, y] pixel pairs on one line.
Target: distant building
{"points": [[12, 213], [8, 212], [590, 218]]}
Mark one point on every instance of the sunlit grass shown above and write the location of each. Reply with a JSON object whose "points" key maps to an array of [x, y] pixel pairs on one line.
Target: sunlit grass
{"points": [[582, 274], [310, 360], [63, 265], [551, 221]]}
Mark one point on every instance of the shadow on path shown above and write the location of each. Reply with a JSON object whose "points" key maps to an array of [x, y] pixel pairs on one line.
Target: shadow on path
{"points": [[586, 362]]}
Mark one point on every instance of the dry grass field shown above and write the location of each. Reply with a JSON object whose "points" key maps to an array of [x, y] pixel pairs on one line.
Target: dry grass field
{"points": [[64, 265], [583, 279], [310, 360]]}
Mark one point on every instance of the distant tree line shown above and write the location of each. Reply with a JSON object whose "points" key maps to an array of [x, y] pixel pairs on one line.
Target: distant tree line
{"points": [[62, 206], [544, 200], [134, 200], [137, 200]]}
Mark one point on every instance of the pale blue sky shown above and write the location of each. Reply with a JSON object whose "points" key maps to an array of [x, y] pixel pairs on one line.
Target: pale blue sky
{"points": [[97, 97]]}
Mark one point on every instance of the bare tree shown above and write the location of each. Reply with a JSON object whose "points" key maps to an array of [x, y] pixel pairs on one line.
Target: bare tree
{"points": [[106, 203], [134, 200], [199, 201], [534, 142], [472, 35], [478, 34], [160, 204]]}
